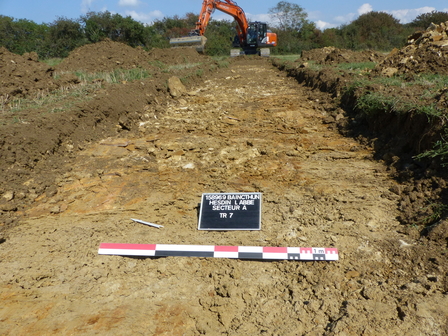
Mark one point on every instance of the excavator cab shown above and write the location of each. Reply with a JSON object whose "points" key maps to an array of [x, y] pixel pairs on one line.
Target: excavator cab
{"points": [[257, 40], [256, 34]]}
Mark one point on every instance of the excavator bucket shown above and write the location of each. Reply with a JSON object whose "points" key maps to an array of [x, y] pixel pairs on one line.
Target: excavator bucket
{"points": [[197, 42]]}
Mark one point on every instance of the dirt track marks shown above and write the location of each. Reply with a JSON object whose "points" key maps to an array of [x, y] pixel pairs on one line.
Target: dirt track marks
{"points": [[250, 129]]}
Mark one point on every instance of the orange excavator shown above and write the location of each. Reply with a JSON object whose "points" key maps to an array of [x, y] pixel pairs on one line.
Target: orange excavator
{"points": [[252, 37]]}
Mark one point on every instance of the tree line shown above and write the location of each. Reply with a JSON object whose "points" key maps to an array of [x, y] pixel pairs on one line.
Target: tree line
{"points": [[374, 30]]}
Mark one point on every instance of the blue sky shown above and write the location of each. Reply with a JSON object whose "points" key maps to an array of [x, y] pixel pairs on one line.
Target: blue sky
{"points": [[325, 14]]}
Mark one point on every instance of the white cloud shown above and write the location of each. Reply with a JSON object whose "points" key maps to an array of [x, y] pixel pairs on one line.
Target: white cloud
{"points": [[85, 5], [260, 17], [129, 3], [365, 8], [407, 15], [145, 17], [315, 15], [403, 15], [345, 18], [218, 16], [322, 25]]}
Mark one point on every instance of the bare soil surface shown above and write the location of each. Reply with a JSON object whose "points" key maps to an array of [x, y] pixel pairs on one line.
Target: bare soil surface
{"points": [[332, 55], [132, 151], [395, 126]]}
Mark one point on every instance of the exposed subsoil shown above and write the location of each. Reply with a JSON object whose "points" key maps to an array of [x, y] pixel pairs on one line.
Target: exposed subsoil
{"points": [[397, 137], [74, 180], [332, 55]]}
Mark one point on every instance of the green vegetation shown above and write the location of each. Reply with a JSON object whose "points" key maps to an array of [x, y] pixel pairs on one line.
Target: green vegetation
{"points": [[440, 150], [373, 30], [377, 94], [356, 66], [63, 98], [53, 61], [437, 211], [290, 58], [371, 101], [116, 76], [56, 101]]}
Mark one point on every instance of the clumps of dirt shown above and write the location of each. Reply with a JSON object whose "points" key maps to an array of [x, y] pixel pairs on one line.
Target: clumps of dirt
{"points": [[108, 55], [38, 139], [332, 55], [421, 200], [180, 55], [105, 56], [21, 76], [426, 52], [317, 55]]}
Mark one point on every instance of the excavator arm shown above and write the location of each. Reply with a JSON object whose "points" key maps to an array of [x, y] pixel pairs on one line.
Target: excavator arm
{"points": [[229, 7]]}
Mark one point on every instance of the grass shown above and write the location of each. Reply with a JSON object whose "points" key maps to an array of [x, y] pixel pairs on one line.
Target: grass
{"points": [[53, 61], [12, 108], [290, 58], [182, 66], [437, 211], [428, 85], [372, 101], [114, 77], [439, 150], [356, 66], [433, 82]]}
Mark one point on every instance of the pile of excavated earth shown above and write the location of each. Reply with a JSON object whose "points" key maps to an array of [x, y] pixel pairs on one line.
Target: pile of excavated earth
{"points": [[22, 76], [75, 168], [332, 56], [427, 51]]}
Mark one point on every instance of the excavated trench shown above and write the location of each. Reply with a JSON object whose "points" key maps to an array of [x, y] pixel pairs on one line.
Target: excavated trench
{"points": [[247, 128]]}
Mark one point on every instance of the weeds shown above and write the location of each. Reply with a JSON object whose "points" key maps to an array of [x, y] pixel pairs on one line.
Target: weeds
{"points": [[113, 77], [440, 150], [12, 107], [356, 66], [437, 210], [373, 102], [158, 64], [223, 64], [291, 58], [52, 61]]}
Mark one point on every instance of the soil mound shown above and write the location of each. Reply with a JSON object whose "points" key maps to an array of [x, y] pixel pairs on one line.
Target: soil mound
{"points": [[332, 55], [22, 76], [426, 51], [105, 56], [317, 55], [176, 55]]}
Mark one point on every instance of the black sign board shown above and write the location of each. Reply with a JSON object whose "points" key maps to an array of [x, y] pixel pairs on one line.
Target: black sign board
{"points": [[230, 211]]}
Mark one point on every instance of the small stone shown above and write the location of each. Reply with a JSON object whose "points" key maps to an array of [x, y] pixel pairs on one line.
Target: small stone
{"points": [[339, 117], [389, 72], [9, 195], [176, 87], [396, 189], [352, 274], [55, 210], [8, 207]]}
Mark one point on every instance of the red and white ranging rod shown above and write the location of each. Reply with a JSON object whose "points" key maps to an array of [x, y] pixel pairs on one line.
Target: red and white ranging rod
{"points": [[218, 251]]}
